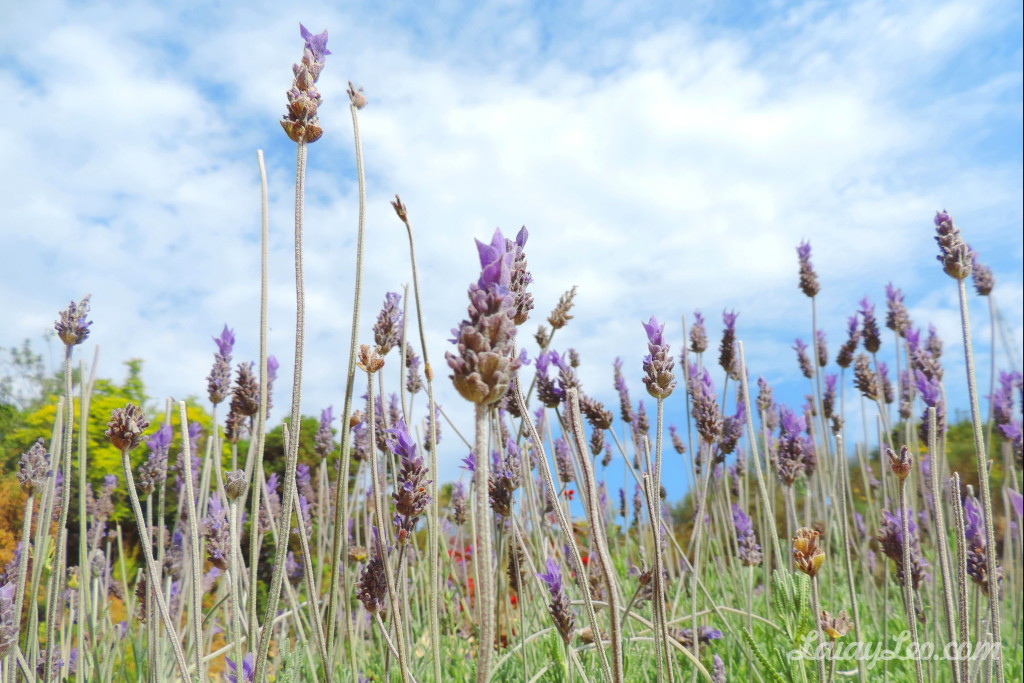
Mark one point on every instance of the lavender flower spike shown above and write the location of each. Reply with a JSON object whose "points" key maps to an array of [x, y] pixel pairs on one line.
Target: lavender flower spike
{"points": [[248, 670], [484, 363], [808, 278], [301, 123], [410, 496], [323, 443], [560, 608], [72, 327], [219, 380], [955, 255], [698, 334], [984, 282], [387, 331], [749, 550], [658, 363], [8, 619]]}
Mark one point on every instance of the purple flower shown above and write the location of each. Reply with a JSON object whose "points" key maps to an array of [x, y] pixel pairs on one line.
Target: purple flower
{"points": [[705, 405], [625, 406], [808, 278], [387, 331], [520, 277], [698, 334], [317, 44], [323, 444], [548, 392], [896, 318], [560, 608], [34, 468], [410, 496], [795, 452], [8, 618], [870, 333], [484, 363], [658, 362], [1017, 501], [890, 536], [217, 534], [248, 670], [225, 342], [563, 461], [974, 532], [219, 379], [984, 282], [727, 355], [930, 390], [749, 550], [801, 356], [849, 347]]}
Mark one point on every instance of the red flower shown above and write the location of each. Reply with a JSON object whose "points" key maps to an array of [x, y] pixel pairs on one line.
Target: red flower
{"points": [[569, 493]]}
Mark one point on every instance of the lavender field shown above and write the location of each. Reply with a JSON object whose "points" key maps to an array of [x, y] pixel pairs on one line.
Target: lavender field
{"points": [[681, 518]]}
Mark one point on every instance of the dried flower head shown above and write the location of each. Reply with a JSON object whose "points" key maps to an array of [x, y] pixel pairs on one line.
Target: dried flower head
{"points": [[560, 317], [245, 396], [954, 254], [235, 484], [369, 360], [301, 123], [807, 556], [371, 588], [357, 96], [835, 627], [8, 619], [901, 464], [72, 327], [219, 380], [625, 406], [34, 468], [126, 426]]}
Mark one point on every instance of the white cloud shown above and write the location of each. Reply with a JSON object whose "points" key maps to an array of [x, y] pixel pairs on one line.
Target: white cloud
{"points": [[667, 167]]}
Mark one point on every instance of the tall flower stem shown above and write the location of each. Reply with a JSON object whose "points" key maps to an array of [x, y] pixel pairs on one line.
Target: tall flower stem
{"points": [[255, 464], [151, 568], [983, 482], [340, 541], [483, 547], [600, 537], [291, 461], [943, 538], [193, 533], [960, 533], [844, 501], [563, 523], [816, 614], [381, 541], [57, 576], [434, 514], [908, 585]]}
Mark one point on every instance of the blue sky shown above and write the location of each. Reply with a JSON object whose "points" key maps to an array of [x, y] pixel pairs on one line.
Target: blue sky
{"points": [[664, 158]]}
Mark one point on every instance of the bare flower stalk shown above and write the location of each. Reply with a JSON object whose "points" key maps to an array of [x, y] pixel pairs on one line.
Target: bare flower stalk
{"points": [[943, 538], [291, 461], [57, 575], [983, 483], [151, 568], [255, 464], [960, 532], [194, 556], [600, 537], [340, 540], [434, 514], [563, 523]]}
